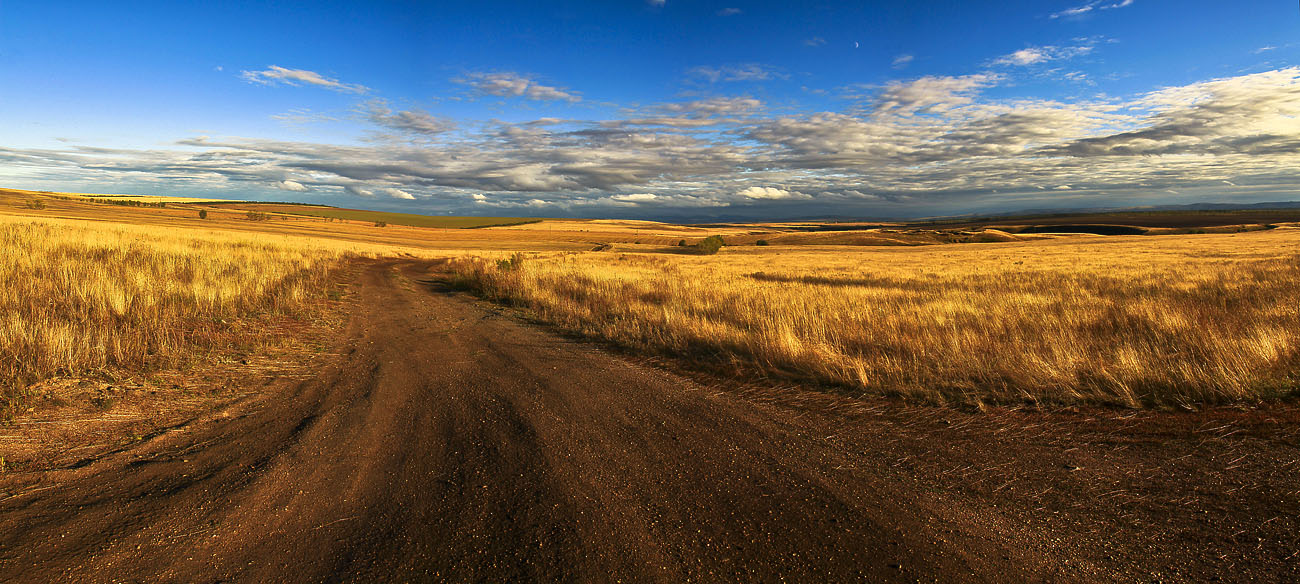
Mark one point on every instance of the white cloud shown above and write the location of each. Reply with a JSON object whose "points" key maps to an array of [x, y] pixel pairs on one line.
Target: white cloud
{"points": [[1035, 55], [1024, 57], [1092, 6], [276, 75], [509, 84], [302, 117], [635, 197], [902, 61], [729, 12], [1077, 77], [409, 121], [398, 194], [732, 73], [815, 41], [714, 106], [288, 185], [358, 191], [1255, 114], [768, 193], [932, 93]]}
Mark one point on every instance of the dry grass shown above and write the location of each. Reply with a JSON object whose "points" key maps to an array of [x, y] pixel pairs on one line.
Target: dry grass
{"points": [[1125, 320], [1128, 320], [82, 297]]}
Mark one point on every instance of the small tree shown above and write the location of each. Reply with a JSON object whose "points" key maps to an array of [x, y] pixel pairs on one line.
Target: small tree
{"points": [[709, 245], [203, 213], [36, 204]]}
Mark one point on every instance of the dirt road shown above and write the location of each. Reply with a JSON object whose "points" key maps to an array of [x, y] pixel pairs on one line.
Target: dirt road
{"points": [[450, 442]]}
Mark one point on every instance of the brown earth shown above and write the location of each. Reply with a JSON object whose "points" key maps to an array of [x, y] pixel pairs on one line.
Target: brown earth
{"points": [[450, 441]]}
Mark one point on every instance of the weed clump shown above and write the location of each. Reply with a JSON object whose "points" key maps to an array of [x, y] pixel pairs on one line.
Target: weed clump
{"points": [[511, 263], [709, 245], [203, 214]]}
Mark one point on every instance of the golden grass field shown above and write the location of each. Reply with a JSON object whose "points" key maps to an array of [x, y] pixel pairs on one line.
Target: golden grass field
{"points": [[84, 297], [1128, 320], [1134, 321]]}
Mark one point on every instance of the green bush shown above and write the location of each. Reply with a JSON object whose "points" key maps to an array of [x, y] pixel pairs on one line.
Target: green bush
{"points": [[381, 224], [681, 243], [709, 245], [203, 214], [257, 216], [512, 263], [761, 242]]}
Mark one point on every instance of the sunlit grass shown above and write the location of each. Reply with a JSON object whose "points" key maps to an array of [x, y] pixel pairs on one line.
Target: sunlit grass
{"points": [[1130, 321], [79, 297]]}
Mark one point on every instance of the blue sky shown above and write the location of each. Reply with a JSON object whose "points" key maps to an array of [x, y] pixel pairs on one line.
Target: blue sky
{"points": [[668, 109]]}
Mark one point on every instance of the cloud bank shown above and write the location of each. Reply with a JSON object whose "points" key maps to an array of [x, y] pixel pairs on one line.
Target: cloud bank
{"points": [[924, 145]]}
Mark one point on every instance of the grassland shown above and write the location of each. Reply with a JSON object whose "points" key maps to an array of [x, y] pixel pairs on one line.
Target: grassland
{"points": [[1134, 321], [84, 297], [894, 309], [110, 197], [290, 209], [1155, 219], [407, 219]]}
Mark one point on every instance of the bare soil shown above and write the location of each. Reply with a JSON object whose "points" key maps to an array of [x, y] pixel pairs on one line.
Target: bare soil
{"points": [[449, 441]]}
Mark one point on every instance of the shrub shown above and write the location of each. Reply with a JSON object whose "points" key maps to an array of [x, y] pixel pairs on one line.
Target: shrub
{"points": [[681, 243], [709, 245], [381, 224], [257, 216], [761, 242], [203, 214], [36, 204], [512, 263]]}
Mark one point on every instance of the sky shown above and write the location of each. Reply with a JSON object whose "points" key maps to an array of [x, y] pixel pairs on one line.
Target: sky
{"points": [[658, 109]]}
